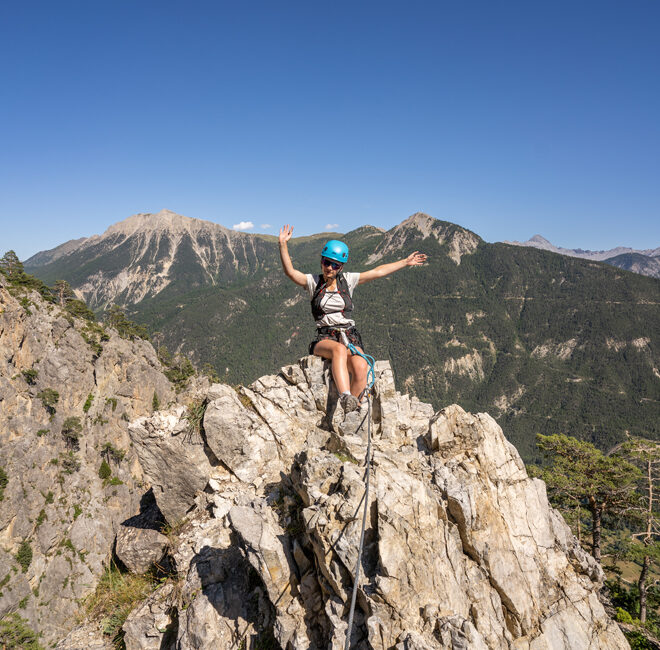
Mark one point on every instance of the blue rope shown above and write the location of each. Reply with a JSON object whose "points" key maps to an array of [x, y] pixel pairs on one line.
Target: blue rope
{"points": [[371, 373]]}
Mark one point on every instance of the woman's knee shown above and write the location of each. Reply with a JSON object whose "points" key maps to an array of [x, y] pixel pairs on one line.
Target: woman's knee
{"points": [[330, 349], [359, 366]]}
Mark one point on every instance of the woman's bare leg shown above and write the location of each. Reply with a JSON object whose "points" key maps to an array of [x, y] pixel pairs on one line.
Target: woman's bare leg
{"points": [[357, 367], [338, 355]]}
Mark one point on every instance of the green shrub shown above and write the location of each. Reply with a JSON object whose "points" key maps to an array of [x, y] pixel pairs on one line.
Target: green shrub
{"points": [[638, 641], [25, 303], [67, 543], [49, 397], [126, 328], [115, 481], [104, 471], [16, 635], [24, 555], [155, 402], [88, 402], [623, 616], [113, 402], [97, 348], [77, 511], [42, 432], [41, 518], [49, 498], [22, 604], [79, 309], [180, 370], [4, 479], [30, 376]]}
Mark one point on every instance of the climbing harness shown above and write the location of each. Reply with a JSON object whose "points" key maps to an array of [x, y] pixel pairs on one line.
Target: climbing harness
{"points": [[371, 379]]}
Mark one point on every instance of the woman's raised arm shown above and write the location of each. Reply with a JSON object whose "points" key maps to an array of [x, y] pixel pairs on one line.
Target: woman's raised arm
{"points": [[416, 259], [291, 273]]}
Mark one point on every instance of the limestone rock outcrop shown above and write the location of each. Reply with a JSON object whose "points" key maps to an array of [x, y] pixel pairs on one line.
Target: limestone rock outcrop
{"points": [[65, 404], [461, 548]]}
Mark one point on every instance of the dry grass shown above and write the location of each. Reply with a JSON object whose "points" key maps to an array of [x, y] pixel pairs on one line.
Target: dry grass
{"points": [[116, 594]]}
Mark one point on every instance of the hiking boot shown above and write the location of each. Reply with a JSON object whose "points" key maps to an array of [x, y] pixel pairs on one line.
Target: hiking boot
{"points": [[349, 403]]}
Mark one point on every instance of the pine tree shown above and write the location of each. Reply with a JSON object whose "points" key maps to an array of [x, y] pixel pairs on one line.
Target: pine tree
{"points": [[63, 292], [10, 265], [582, 473], [645, 454]]}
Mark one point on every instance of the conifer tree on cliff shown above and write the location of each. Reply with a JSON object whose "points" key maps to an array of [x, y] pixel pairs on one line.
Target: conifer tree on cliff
{"points": [[10, 265], [581, 472], [63, 291], [645, 546]]}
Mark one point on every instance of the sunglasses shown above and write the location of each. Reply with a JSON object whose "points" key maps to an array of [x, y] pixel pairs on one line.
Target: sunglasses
{"points": [[331, 264]]}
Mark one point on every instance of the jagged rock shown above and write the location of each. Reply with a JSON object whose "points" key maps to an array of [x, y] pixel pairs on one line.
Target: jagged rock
{"points": [[150, 626], [223, 607], [55, 500], [174, 462], [139, 548], [85, 637], [461, 548], [139, 543], [239, 436]]}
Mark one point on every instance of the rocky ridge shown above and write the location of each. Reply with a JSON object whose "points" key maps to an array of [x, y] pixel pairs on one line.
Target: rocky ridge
{"points": [[144, 254], [644, 262], [461, 550], [538, 241], [459, 241], [65, 395]]}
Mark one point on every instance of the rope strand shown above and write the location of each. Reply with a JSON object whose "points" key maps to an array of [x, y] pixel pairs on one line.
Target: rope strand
{"points": [[371, 379]]}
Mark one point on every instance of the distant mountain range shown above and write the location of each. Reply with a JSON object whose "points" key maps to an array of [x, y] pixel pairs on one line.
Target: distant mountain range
{"points": [[546, 343], [645, 262]]}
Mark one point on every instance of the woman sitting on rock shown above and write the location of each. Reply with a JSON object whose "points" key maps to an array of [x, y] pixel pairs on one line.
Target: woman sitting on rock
{"points": [[331, 294]]}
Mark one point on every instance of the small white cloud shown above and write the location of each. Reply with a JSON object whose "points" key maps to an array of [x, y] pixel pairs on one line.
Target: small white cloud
{"points": [[265, 226], [331, 226], [244, 225]]}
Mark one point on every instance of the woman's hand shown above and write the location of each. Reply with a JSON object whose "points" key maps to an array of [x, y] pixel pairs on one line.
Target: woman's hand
{"points": [[285, 234], [416, 259]]}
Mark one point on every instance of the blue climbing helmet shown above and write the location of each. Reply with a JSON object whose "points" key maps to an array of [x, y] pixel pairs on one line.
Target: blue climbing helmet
{"points": [[335, 250]]}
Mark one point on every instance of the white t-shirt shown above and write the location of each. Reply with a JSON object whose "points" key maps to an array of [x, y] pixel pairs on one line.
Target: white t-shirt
{"points": [[332, 303]]}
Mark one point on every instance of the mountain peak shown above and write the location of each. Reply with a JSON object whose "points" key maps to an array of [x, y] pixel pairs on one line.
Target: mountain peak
{"points": [[420, 220], [163, 220], [459, 240], [539, 239]]}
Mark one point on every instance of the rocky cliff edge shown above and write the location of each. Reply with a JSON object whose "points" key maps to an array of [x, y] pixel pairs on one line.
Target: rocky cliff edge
{"points": [[462, 549]]}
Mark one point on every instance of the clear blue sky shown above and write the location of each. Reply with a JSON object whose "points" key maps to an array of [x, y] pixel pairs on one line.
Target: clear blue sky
{"points": [[508, 118]]}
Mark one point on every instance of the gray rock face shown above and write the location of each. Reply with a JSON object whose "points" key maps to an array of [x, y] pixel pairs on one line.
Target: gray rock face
{"points": [[462, 549], [139, 544], [139, 548], [174, 462], [54, 503], [150, 626]]}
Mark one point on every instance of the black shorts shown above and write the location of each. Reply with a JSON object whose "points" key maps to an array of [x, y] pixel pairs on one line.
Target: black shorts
{"points": [[334, 334]]}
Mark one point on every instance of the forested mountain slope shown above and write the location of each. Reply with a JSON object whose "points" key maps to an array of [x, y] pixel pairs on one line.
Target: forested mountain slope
{"points": [[545, 342]]}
